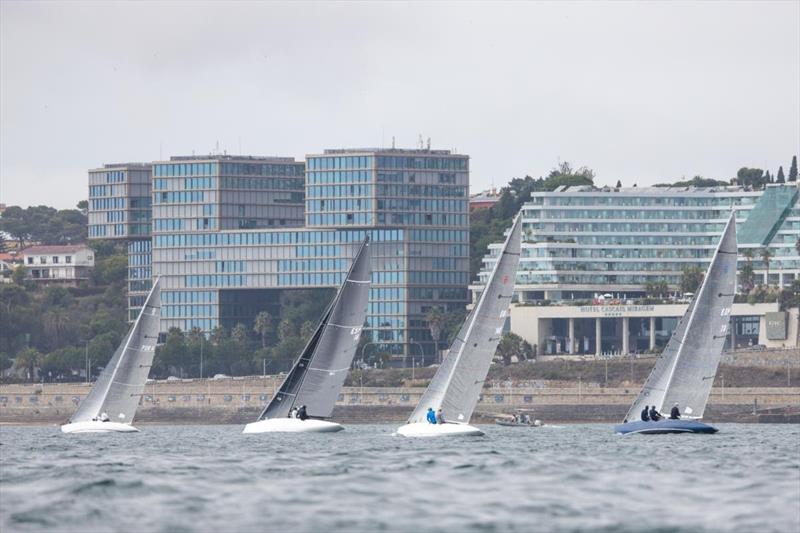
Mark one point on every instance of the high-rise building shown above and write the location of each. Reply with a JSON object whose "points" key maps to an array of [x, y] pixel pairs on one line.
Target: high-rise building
{"points": [[231, 234], [119, 201]]}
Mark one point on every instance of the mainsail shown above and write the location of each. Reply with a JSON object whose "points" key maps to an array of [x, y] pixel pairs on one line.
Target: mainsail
{"points": [[685, 370], [319, 373], [457, 385], [121, 383]]}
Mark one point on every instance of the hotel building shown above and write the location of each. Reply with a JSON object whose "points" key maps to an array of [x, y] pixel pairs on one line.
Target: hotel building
{"points": [[588, 254]]}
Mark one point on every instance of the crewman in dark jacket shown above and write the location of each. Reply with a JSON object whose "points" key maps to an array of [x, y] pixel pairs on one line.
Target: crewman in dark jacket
{"points": [[645, 414], [675, 413], [301, 413], [655, 416]]}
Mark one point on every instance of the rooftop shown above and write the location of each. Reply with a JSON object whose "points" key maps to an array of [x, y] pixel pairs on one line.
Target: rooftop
{"points": [[55, 249], [397, 151], [238, 158]]}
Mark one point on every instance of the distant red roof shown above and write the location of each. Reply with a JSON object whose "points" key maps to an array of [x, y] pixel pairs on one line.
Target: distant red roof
{"points": [[54, 249]]}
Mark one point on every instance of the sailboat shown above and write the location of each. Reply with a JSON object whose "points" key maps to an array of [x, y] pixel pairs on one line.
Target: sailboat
{"points": [[684, 373], [317, 376], [457, 384], [111, 403]]}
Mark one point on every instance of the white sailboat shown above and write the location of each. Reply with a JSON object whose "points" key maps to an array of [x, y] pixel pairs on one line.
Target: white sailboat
{"points": [[317, 376], [685, 370], [111, 404], [457, 384]]}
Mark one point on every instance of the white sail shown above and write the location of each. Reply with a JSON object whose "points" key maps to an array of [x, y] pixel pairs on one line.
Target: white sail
{"points": [[120, 385], [685, 370], [457, 385]]}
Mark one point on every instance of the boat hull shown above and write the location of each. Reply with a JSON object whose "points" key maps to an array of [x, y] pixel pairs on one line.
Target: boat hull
{"points": [[534, 424], [664, 426], [424, 429], [292, 425], [98, 427]]}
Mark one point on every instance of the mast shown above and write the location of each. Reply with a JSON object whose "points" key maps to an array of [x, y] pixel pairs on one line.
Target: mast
{"points": [[686, 369], [456, 386], [319, 373], [119, 386]]}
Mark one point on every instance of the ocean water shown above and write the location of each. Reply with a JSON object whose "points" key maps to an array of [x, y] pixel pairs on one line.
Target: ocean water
{"points": [[562, 478]]}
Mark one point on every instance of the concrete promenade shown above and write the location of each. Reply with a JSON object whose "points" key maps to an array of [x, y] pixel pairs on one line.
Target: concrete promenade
{"points": [[236, 400]]}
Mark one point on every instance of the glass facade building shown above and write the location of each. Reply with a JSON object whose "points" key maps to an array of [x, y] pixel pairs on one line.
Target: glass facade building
{"points": [[119, 201], [230, 233], [582, 241]]}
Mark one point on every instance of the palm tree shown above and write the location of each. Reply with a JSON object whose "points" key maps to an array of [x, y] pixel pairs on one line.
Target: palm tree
{"points": [[435, 319], [766, 255], [263, 326], [29, 359]]}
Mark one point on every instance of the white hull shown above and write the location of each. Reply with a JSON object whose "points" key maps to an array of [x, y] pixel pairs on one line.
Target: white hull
{"points": [[98, 427], [292, 425], [424, 429]]}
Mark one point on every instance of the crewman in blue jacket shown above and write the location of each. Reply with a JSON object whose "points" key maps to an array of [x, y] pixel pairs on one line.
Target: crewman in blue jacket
{"points": [[431, 415]]}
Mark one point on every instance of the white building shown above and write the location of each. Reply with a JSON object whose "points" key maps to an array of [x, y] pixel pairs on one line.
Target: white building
{"points": [[56, 263], [585, 248]]}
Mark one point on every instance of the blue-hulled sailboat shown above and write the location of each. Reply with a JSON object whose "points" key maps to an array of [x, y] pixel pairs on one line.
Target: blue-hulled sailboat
{"points": [[685, 371]]}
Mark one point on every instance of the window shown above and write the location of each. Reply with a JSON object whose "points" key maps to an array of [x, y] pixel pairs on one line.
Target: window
{"points": [[42, 260], [68, 259], [55, 259], [30, 260]]}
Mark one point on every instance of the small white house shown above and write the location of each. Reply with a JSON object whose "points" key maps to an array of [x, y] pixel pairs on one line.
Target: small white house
{"points": [[56, 263]]}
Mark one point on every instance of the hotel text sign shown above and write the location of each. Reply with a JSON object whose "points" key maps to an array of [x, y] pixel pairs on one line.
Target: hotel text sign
{"points": [[776, 325], [617, 310]]}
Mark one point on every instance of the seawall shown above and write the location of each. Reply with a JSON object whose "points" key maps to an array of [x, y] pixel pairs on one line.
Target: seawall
{"points": [[239, 400]]}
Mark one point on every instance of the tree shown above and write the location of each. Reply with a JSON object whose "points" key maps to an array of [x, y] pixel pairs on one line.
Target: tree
{"points": [[768, 178], [18, 275], [619, 184], [512, 345], [29, 359], [306, 330], [44, 224], [691, 278], [83, 207], [285, 329], [766, 255], [656, 289], [750, 177], [793, 169], [435, 319], [174, 354], [780, 178], [697, 181], [263, 326], [747, 273], [239, 334], [5, 362]]}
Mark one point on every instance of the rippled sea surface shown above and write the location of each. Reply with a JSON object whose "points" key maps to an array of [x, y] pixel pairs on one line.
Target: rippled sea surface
{"points": [[567, 478]]}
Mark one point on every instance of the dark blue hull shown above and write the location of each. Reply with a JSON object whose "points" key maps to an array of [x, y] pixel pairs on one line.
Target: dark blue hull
{"points": [[664, 426]]}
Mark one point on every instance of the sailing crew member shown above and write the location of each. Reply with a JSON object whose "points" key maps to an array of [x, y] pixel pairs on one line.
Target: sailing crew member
{"points": [[293, 412], [439, 416], [655, 416], [104, 417], [675, 413], [301, 413], [431, 416], [646, 414]]}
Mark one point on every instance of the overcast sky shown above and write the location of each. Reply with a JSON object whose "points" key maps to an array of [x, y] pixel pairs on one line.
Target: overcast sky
{"points": [[639, 92]]}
